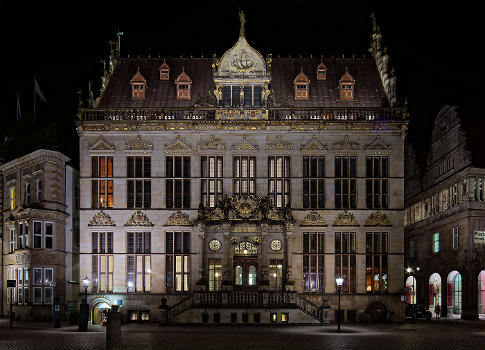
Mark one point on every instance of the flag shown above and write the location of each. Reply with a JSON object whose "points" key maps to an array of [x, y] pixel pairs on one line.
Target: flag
{"points": [[19, 115], [38, 92]]}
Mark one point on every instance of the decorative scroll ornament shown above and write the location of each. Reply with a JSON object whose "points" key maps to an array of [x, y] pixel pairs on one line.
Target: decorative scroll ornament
{"points": [[377, 145], [276, 214], [138, 219], [314, 145], [178, 146], [101, 145], [138, 145], [214, 215], [178, 219], [346, 145], [313, 219], [101, 219], [346, 219], [244, 146], [279, 145], [377, 219], [212, 145]]}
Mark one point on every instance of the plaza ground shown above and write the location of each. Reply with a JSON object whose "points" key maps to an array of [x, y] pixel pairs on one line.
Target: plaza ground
{"points": [[444, 334]]}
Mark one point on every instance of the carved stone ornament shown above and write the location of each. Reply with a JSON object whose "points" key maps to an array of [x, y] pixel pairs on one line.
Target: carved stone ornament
{"points": [[178, 146], [214, 215], [101, 145], [313, 219], [138, 145], [279, 145], [212, 145], [23, 258], [101, 219], [178, 219], [244, 146], [346, 145], [377, 219], [313, 145], [377, 145], [346, 219], [138, 219]]}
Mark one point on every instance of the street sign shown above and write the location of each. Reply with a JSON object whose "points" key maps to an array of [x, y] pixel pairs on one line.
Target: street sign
{"points": [[479, 237], [11, 283]]}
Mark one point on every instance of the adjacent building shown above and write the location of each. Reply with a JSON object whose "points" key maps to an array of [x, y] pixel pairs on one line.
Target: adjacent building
{"points": [[239, 187], [445, 223]]}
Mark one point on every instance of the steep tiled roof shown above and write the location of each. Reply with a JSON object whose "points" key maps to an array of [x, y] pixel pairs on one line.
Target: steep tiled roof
{"points": [[323, 93], [347, 77], [183, 77], [138, 78], [301, 77]]}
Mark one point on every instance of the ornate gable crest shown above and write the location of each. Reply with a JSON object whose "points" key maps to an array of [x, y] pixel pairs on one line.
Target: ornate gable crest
{"points": [[313, 145], [178, 146], [244, 146], [377, 145], [313, 219], [377, 219], [101, 145], [279, 145], [101, 219], [138, 145], [178, 219], [345, 145], [346, 219], [138, 219], [212, 145]]}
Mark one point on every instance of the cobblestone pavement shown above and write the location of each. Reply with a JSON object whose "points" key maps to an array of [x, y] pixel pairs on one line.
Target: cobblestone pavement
{"points": [[420, 335]]}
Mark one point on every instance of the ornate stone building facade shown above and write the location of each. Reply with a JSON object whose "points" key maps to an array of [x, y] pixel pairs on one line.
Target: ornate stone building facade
{"points": [[40, 245], [240, 187], [445, 223]]}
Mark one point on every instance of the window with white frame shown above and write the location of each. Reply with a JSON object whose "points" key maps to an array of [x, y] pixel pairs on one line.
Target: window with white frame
{"points": [[27, 193], [37, 285], [139, 265], [244, 175], [456, 238], [26, 285], [23, 235], [102, 265], [12, 239], [49, 236], [177, 264], [48, 278]]}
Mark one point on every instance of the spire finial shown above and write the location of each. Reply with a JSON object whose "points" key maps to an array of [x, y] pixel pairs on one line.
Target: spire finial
{"points": [[242, 19]]}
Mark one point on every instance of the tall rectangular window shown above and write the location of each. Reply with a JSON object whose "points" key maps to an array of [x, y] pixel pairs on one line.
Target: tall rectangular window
{"points": [[139, 188], [12, 239], [244, 175], [345, 260], [377, 182], [178, 261], [376, 249], [48, 236], [279, 180], [411, 249], [313, 262], [456, 238], [37, 234], [276, 274], [11, 195], [39, 190], [27, 193], [211, 180], [215, 274], [177, 193], [102, 183], [313, 182], [345, 182], [102, 265], [436, 243]]}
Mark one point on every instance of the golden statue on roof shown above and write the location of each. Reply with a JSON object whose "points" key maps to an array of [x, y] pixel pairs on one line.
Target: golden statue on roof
{"points": [[242, 19]]}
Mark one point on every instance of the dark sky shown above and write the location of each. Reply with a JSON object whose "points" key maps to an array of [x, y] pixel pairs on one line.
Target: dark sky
{"points": [[437, 49]]}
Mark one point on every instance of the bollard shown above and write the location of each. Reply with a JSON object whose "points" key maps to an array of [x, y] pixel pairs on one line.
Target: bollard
{"points": [[83, 317], [113, 329]]}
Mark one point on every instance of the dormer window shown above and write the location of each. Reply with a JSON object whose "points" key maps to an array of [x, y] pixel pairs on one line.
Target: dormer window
{"points": [[138, 86], [346, 86], [164, 71], [321, 72], [184, 84], [302, 85]]}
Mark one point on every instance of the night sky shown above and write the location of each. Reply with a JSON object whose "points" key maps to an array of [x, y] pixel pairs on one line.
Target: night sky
{"points": [[437, 49]]}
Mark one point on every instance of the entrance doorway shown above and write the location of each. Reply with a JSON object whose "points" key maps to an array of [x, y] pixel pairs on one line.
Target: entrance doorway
{"points": [[481, 293], [434, 291], [454, 293], [100, 314], [245, 272], [411, 290]]}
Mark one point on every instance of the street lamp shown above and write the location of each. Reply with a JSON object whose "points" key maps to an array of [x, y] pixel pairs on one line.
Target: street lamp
{"points": [[339, 281], [84, 308], [86, 284]]}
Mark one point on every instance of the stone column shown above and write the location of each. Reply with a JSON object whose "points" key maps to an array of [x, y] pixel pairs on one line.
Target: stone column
{"points": [[226, 259], [202, 282], [263, 263], [289, 283]]}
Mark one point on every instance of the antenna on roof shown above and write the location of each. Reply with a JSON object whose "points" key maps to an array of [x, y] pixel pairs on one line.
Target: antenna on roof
{"points": [[119, 34]]}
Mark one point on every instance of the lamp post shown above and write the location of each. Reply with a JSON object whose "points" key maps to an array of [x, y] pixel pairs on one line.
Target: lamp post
{"points": [[339, 281], [85, 284], [84, 308]]}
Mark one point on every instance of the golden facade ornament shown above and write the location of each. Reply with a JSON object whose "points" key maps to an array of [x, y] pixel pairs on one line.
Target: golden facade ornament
{"points": [[313, 219], [178, 146], [313, 145], [138, 145], [212, 145], [138, 219], [101, 145], [346, 219], [346, 145], [244, 146], [256, 239], [279, 145], [215, 215], [377, 219], [377, 145], [101, 219], [178, 219]]}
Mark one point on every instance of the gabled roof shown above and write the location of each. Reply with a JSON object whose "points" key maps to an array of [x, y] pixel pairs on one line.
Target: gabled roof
{"points": [[347, 78], [138, 78], [183, 77], [301, 77], [164, 65], [321, 66]]}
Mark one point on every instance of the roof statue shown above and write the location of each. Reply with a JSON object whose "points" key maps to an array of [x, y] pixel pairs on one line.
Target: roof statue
{"points": [[242, 19]]}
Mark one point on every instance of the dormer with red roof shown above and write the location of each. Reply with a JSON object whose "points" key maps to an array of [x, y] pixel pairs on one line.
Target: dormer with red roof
{"points": [[302, 85], [183, 83], [321, 72], [346, 86], [138, 86], [164, 71]]}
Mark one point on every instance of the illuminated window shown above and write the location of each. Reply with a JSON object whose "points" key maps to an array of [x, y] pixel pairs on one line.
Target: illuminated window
{"points": [[436, 243], [313, 262], [279, 181], [244, 175], [211, 182], [285, 317], [215, 274], [177, 261], [11, 192], [376, 247], [273, 317], [102, 183]]}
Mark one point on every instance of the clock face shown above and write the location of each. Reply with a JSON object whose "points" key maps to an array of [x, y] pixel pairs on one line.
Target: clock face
{"points": [[214, 245], [276, 245]]}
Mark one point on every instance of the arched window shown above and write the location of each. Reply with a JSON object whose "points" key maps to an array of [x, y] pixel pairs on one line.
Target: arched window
{"points": [[239, 275]]}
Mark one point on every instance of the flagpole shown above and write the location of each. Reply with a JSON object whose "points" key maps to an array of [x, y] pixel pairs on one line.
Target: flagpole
{"points": [[34, 98]]}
